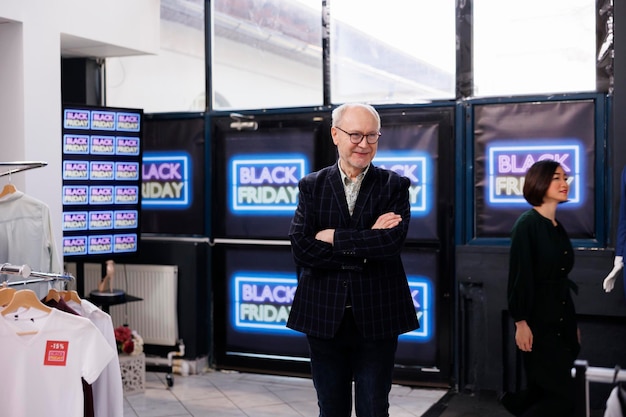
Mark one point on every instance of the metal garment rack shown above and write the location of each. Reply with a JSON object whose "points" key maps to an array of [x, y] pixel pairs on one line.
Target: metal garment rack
{"points": [[19, 166], [583, 374], [25, 272]]}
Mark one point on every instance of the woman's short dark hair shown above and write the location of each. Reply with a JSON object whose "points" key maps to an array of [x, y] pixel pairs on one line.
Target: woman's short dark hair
{"points": [[538, 179]]}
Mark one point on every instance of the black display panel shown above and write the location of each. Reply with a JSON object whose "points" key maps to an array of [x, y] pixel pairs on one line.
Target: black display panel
{"points": [[509, 138], [258, 291], [173, 175], [412, 152], [420, 348], [417, 143], [101, 163], [260, 285], [256, 178]]}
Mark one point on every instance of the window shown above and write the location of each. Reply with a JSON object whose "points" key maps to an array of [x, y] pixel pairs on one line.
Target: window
{"points": [[395, 51], [174, 79], [266, 54], [534, 47]]}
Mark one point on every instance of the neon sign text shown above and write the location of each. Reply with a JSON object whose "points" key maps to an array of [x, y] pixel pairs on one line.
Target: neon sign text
{"points": [[507, 164], [102, 120], [75, 245], [166, 180], [127, 146], [125, 243], [263, 302], [100, 220], [265, 185], [102, 145], [415, 166], [75, 194], [421, 292], [100, 244], [76, 220], [75, 144], [76, 119], [128, 122]]}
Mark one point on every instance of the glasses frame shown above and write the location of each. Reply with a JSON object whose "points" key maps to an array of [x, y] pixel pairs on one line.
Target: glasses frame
{"points": [[355, 141]]}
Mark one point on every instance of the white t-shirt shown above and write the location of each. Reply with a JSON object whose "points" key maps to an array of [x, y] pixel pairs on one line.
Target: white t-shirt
{"points": [[108, 391], [41, 372]]}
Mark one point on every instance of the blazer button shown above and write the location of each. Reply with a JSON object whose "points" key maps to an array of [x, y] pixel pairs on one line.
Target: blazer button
{"points": [[345, 284]]}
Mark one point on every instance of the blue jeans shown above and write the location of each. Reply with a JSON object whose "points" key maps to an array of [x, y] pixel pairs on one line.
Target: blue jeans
{"points": [[336, 362]]}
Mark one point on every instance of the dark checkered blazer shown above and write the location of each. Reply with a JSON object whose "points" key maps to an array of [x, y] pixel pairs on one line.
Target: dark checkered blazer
{"points": [[363, 266]]}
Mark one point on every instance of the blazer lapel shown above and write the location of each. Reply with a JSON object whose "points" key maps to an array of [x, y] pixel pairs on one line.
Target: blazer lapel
{"points": [[339, 194]]}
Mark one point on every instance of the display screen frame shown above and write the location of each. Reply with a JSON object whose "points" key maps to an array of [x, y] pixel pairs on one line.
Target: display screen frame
{"points": [[101, 174], [531, 127], [174, 192], [278, 152], [422, 138], [254, 298]]}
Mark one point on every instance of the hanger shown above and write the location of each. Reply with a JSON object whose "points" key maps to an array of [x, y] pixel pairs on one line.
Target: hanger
{"points": [[52, 295], [18, 166], [8, 189], [6, 294], [71, 296], [616, 373], [25, 299]]}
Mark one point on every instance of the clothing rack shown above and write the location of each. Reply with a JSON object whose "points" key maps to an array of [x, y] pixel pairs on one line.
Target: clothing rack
{"points": [[19, 166], [583, 374], [25, 272]]}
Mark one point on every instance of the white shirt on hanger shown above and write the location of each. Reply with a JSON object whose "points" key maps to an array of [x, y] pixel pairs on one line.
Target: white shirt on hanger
{"points": [[41, 372], [108, 392], [26, 236]]}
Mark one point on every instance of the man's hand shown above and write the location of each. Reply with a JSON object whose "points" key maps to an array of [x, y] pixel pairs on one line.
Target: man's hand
{"points": [[609, 281], [326, 235], [387, 221], [523, 336]]}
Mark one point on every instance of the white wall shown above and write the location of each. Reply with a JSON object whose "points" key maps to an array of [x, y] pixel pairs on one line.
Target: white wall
{"points": [[30, 76]]}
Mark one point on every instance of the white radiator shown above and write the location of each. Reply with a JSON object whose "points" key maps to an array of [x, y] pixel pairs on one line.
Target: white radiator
{"points": [[155, 317]]}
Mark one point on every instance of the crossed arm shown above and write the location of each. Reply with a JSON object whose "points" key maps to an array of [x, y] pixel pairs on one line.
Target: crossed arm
{"points": [[384, 221]]}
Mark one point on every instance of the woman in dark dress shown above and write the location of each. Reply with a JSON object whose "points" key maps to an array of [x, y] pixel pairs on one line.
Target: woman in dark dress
{"points": [[539, 298]]}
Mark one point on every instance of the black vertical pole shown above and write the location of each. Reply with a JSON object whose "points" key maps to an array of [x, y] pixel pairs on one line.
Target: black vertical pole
{"points": [[208, 59], [326, 52], [464, 65], [617, 136]]}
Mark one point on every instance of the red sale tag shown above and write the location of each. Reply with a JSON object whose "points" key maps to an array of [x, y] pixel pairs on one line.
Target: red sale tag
{"points": [[56, 353]]}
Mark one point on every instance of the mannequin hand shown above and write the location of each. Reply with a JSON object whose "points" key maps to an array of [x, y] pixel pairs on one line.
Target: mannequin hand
{"points": [[609, 281]]}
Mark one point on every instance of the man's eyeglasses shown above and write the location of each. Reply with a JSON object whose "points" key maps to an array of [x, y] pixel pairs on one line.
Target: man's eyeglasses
{"points": [[356, 138]]}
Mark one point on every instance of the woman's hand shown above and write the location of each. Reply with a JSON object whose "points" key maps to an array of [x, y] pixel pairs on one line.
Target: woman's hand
{"points": [[523, 336]]}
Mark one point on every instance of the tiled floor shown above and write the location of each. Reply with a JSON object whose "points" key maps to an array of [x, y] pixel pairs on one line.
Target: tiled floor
{"points": [[233, 394]]}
